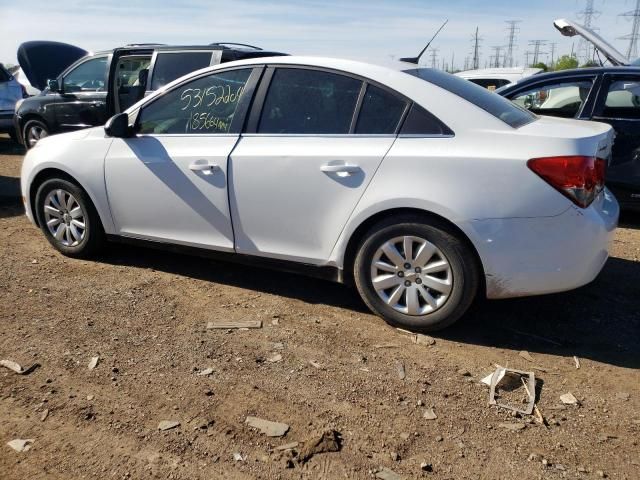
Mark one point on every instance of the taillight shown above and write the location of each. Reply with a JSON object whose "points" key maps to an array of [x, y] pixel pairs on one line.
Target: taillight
{"points": [[578, 177]]}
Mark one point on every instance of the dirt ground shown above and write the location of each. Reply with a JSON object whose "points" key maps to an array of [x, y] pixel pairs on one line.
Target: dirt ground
{"points": [[320, 362]]}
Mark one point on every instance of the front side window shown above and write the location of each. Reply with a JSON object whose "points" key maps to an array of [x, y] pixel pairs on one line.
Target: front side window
{"points": [[203, 106], [564, 99], [89, 76], [623, 99], [172, 65], [301, 101], [380, 113]]}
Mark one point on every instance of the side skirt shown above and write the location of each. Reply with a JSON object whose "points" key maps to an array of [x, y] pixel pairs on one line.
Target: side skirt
{"points": [[332, 274]]}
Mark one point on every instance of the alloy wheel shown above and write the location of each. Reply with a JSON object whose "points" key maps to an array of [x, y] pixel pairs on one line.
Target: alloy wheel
{"points": [[64, 217], [35, 133], [411, 275]]}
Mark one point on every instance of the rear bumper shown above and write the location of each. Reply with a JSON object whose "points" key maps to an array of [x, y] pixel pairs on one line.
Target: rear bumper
{"points": [[534, 256]]}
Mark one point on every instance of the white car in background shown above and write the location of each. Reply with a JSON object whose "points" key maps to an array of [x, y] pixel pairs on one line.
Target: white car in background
{"points": [[422, 189], [494, 78]]}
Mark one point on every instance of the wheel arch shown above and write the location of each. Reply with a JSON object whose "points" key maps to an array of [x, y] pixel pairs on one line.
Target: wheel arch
{"points": [[360, 231], [47, 174]]}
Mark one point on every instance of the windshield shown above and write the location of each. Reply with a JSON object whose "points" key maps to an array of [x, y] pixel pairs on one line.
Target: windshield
{"points": [[499, 107]]}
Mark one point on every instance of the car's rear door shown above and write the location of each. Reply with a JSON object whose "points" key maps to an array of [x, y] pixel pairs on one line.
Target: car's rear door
{"points": [[305, 160], [169, 182], [619, 106]]}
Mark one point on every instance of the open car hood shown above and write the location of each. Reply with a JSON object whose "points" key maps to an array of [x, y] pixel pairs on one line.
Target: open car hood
{"points": [[570, 29], [42, 60]]}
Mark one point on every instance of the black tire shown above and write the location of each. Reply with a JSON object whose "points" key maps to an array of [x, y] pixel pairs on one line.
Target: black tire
{"points": [[33, 125], [92, 240], [464, 271]]}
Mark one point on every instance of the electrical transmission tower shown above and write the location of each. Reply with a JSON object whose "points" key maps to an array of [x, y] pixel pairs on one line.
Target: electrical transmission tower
{"points": [[587, 16], [536, 44], [434, 57], [553, 53], [634, 16], [475, 51], [497, 55], [512, 30]]}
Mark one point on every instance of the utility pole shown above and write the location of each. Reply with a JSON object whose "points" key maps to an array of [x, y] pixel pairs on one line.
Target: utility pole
{"points": [[553, 53], [587, 16], [434, 57], [452, 66], [497, 50], [536, 44], [475, 52], [634, 16], [466, 63], [512, 30], [526, 54]]}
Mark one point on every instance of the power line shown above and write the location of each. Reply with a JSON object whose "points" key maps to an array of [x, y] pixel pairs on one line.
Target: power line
{"points": [[434, 57], [587, 15], [497, 54], [632, 49], [553, 53], [512, 30]]}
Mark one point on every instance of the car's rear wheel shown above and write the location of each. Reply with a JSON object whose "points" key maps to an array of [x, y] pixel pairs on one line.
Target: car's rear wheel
{"points": [[33, 131], [68, 219], [416, 273]]}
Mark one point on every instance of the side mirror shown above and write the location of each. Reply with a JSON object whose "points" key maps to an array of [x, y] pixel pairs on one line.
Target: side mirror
{"points": [[118, 126], [53, 85]]}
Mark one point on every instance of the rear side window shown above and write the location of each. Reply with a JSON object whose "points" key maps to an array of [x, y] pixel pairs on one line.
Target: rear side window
{"points": [[563, 99], [623, 99], [206, 105], [380, 113], [492, 103], [420, 122], [303, 101], [172, 65]]}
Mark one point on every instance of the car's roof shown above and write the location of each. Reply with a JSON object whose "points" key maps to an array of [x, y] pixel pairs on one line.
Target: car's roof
{"points": [[164, 46]]}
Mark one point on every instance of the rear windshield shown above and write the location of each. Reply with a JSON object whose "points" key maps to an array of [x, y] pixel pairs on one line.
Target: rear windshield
{"points": [[498, 106]]}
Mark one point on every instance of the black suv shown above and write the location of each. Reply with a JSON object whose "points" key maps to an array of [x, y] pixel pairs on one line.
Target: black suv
{"points": [[82, 89]]}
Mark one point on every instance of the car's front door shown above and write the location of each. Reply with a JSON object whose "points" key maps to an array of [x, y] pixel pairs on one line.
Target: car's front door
{"points": [[306, 159], [82, 102], [619, 106], [169, 181]]}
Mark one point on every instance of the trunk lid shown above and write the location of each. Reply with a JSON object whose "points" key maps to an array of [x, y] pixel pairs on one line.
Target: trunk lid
{"points": [[44, 60], [570, 29]]}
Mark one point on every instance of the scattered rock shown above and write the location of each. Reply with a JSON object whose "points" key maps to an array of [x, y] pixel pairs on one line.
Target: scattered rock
{"points": [[20, 445], [568, 399], [534, 457], [14, 367], [394, 456], [167, 425], [275, 322], [624, 396], [464, 372], [270, 429], [206, 372], [439, 438], [426, 467], [278, 346], [317, 365], [328, 441], [386, 474], [44, 415], [90, 397], [237, 457], [429, 414], [526, 355], [400, 370], [577, 361], [275, 358], [234, 324], [93, 363], [513, 426], [423, 340], [601, 474]]}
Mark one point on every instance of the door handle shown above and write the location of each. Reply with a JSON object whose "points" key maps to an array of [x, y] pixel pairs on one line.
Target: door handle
{"points": [[340, 168], [204, 166]]}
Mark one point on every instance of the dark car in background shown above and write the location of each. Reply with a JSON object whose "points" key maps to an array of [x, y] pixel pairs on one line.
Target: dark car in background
{"points": [[11, 91], [82, 89]]}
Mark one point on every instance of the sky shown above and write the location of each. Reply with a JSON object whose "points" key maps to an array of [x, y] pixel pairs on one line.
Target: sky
{"points": [[368, 30]]}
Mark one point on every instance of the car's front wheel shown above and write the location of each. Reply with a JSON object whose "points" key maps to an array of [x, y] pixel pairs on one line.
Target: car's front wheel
{"points": [[68, 219], [416, 273], [33, 131]]}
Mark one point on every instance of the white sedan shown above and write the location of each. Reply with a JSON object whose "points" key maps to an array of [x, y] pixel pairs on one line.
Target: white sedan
{"points": [[422, 189]]}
